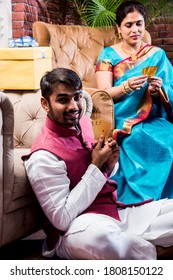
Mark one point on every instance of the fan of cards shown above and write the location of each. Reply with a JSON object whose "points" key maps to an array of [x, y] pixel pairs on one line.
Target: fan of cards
{"points": [[150, 71], [102, 114]]}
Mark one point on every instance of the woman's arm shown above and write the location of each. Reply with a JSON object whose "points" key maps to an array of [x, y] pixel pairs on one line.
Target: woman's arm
{"points": [[105, 82]]}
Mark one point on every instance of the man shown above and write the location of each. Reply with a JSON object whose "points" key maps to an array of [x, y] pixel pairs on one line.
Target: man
{"points": [[69, 173]]}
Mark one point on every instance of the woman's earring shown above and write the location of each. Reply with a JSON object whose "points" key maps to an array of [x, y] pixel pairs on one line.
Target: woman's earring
{"points": [[119, 35]]}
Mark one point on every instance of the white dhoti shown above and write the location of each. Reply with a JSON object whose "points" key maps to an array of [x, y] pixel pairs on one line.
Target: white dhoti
{"points": [[95, 236]]}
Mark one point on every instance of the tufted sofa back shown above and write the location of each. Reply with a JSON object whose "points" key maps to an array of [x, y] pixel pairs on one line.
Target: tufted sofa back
{"points": [[30, 116], [27, 119], [76, 47]]}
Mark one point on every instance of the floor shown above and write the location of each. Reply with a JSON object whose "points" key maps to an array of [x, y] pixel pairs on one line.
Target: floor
{"points": [[30, 248], [26, 249]]}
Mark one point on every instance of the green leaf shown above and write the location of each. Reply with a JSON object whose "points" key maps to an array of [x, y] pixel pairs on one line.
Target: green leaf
{"points": [[100, 12]]}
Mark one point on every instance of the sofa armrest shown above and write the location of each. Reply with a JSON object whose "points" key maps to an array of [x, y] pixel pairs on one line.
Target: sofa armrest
{"points": [[6, 138], [88, 104], [6, 147]]}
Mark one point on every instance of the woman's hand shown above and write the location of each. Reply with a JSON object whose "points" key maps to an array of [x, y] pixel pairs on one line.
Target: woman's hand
{"points": [[154, 84], [137, 82]]}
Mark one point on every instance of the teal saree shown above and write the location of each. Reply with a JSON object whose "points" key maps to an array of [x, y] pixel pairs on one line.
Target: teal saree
{"points": [[143, 127]]}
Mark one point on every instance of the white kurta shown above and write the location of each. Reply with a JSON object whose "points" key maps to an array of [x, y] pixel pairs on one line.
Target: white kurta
{"points": [[95, 236]]}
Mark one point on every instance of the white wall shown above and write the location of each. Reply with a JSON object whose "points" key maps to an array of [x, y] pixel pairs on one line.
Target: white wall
{"points": [[5, 22]]}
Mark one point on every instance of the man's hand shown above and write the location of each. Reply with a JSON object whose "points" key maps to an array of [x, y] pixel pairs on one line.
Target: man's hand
{"points": [[114, 157], [105, 152], [52, 234]]}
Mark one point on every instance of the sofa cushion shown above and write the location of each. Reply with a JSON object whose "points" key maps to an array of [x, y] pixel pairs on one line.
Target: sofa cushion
{"points": [[19, 193], [29, 116]]}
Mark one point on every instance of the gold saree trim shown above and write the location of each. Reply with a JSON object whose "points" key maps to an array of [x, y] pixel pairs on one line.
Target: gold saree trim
{"points": [[127, 64], [142, 114]]}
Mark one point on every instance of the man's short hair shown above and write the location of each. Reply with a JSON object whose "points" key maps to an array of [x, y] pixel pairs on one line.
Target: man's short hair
{"points": [[57, 76]]}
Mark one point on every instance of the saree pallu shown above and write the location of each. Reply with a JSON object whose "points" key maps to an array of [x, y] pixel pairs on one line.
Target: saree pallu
{"points": [[143, 127]]}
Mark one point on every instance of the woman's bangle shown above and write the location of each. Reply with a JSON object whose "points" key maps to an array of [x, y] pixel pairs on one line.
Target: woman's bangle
{"points": [[125, 87]]}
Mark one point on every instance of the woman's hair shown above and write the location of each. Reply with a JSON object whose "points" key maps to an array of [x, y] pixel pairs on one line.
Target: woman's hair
{"points": [[129, 7], [59, 76]]}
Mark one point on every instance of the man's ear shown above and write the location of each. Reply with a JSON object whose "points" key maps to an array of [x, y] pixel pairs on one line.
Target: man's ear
{"points": [[45, 104]]}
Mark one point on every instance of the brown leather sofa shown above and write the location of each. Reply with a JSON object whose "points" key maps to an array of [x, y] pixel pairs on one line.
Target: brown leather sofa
{"points": [[21, 118], [77, 47]]}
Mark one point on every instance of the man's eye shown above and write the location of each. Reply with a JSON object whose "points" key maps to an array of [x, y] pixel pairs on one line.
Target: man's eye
{"points": [[77, 97], [62, 100]]}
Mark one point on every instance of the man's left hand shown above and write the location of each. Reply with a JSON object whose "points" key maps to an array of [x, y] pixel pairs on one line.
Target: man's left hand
{"points": [[114, 157]]}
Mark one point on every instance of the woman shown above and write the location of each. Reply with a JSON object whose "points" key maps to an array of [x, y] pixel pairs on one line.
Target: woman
{"points": [[143, 101]]}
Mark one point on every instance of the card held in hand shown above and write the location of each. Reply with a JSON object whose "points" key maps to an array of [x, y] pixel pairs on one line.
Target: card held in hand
{"points": [[150, 71], [102, 114]]}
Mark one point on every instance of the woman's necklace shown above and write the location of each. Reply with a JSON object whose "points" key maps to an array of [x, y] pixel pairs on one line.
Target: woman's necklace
{"points": [[132, 55]]}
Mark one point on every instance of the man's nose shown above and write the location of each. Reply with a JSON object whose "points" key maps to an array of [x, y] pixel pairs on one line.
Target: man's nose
{"points": [[72, 104]]}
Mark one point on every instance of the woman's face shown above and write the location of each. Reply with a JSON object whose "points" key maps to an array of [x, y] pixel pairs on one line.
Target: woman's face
{"points": [[132, 28]]}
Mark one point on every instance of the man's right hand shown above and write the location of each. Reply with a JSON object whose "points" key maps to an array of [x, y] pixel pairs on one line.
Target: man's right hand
{"points": [[52, 234]]}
